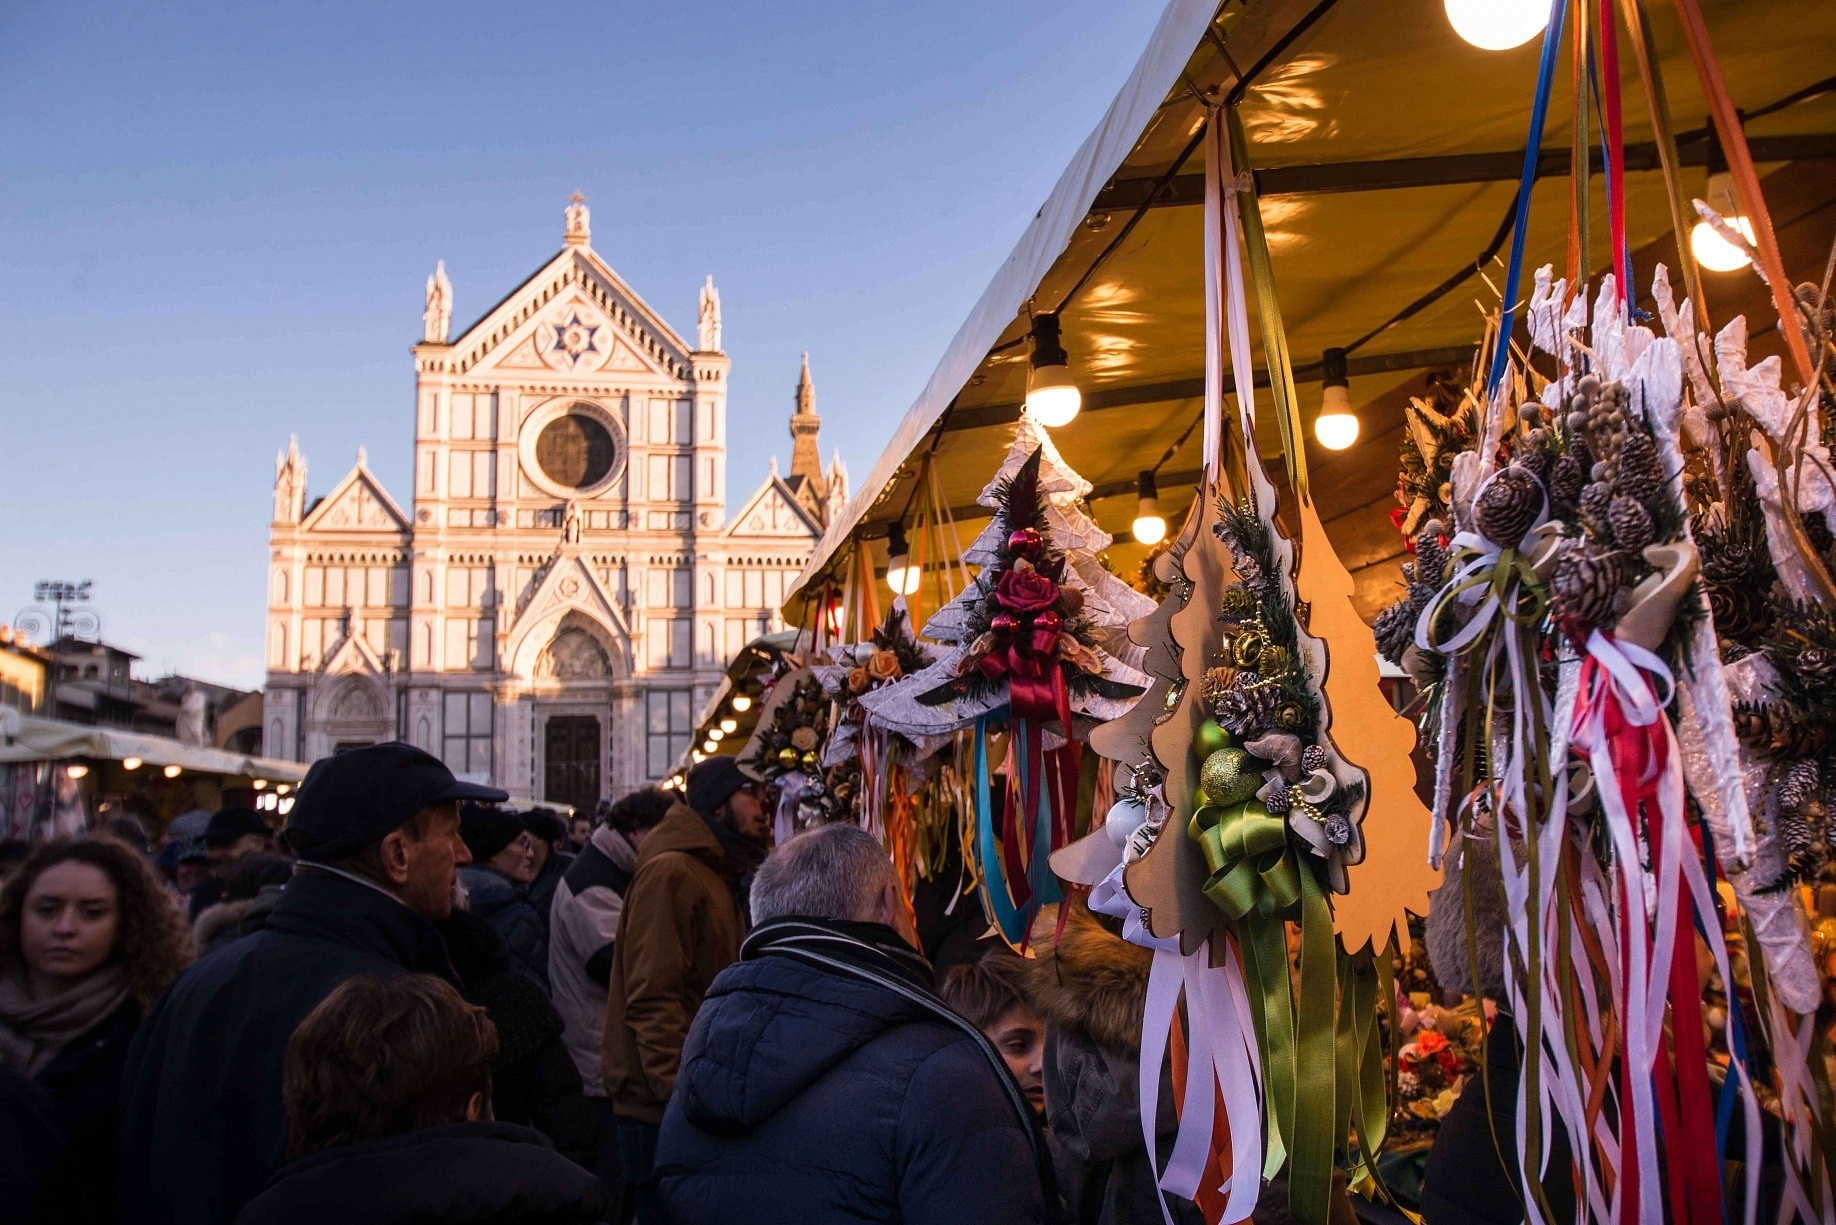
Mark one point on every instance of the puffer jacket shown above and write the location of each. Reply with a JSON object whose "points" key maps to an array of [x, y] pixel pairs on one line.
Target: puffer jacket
{"points": [[810, 1095], [1090, 986], [680, 927], [505, 905], [457, 1174]]}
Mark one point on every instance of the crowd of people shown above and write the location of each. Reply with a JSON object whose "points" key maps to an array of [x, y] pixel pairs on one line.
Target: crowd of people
{"points": [[415, 1004]]}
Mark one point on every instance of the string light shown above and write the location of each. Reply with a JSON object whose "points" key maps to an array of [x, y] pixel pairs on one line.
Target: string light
{"points": [[1051, 395], [901, 575], [710, 747], [715, 735], [1337, 425], [171, 771], [76, 769], [130, 763], [729, 725], [259, 783], [742, 702], [1150, 525], [1497, 25]]}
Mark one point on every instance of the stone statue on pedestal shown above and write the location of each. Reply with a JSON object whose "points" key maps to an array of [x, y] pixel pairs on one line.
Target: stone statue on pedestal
{"points": [[709, 320], [436, 320]]}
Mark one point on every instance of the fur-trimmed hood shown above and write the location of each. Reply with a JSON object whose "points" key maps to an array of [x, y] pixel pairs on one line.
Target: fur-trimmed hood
{"points": [[219, 924], [1088, 979]]}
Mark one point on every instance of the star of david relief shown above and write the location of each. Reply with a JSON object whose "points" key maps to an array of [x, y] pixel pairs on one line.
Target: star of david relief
{"points": [[580, 341]]}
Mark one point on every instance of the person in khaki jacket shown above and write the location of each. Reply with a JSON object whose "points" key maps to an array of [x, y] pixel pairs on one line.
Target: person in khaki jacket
{"points": [[681, 925]]}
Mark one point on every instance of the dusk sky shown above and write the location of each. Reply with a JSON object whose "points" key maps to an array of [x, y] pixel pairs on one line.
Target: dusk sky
{"points": [[216, 222]]}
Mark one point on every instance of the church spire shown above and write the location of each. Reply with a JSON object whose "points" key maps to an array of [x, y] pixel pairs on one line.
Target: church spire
{"points": [[806, 451]]}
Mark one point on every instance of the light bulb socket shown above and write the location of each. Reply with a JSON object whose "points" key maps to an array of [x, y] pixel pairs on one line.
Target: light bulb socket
{"points": [[896, 545], [1048, 348], [1145, 487], [1335, 371]]}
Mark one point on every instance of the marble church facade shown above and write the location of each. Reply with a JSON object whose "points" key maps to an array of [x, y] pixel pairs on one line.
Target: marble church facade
{"points": [[564, 589]]}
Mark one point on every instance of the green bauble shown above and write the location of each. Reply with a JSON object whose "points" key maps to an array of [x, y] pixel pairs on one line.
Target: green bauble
{"points": [[787, 758], [1210, 738], [1228, 778]]}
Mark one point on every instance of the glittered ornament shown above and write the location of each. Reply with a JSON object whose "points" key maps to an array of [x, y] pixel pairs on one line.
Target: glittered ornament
{"points": [[1228, 779]]}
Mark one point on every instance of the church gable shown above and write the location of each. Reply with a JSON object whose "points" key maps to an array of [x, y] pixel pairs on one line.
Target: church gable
{"points": [[774, 511], [358, 504], [574, 316], [568, 586]]}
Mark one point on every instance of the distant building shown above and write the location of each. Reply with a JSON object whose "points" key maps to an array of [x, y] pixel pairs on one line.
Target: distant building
{"points": [[565, 588], [93, 683], [25, 674]]}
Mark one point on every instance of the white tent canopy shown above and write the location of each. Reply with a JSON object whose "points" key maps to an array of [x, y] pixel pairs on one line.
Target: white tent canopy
{"points": [[27, 738]]}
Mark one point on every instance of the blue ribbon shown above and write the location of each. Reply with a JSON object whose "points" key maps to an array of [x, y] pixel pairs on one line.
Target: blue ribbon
{"points": [[1545, 80], [1013, 922]]}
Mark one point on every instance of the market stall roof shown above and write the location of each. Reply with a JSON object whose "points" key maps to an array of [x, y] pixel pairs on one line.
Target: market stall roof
{"points": [[27, 738], [745, 675], [1387, 153]]}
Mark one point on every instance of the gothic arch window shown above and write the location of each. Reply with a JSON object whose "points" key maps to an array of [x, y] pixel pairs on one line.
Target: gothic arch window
{"points": [[355, 701], [277, 649], [280, 586], [572, 655]]}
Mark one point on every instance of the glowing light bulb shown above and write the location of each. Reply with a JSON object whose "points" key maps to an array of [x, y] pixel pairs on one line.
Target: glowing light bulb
{"points": [[130, 763], [76, 769], [259, 783], [1711, 250], [284, 805], [729, 725], [1497, 25], [1051, 395], [698, 757], [171, 771], [715, 735], [1336, 427], [1150, 527], [710, 747], [901, 575], [742, 702]]}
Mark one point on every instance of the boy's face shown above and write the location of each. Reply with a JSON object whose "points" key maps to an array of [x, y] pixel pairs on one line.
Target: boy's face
{"points": [[1019, 1035]]}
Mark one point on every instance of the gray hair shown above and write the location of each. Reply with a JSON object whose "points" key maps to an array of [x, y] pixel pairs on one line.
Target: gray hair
{"points": [[830, 872]]}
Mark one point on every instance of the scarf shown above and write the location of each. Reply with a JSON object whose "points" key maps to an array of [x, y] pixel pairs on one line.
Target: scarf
{"points": [[33, 1032]]}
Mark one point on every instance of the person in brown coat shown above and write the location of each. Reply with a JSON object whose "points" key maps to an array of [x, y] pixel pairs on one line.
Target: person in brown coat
{"points": [[681, 925]]}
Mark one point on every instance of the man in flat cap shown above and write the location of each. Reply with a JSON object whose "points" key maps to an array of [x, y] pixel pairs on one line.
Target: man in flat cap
{"points": [[202, 1125]]}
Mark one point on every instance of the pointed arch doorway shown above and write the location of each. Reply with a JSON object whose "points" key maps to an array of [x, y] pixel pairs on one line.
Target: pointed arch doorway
{"points": [[571, 759]]}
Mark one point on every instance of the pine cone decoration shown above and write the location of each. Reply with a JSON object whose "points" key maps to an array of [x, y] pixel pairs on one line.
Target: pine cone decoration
{"points": [[1278, 801], [1802, 787], [1313, 757], [1568, 479], [1640, 471], [1590, 588], [1395, 629], [1797, 841], [1596, 496], [1781, 730], [1431, 554], [1236, 604], [1737, 580], [1248, 711], [1508, 506], [1629, 522], [1816, 667]]}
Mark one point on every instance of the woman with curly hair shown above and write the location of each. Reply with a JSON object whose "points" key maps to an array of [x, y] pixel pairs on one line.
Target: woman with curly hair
{"points": [[88, 940]]}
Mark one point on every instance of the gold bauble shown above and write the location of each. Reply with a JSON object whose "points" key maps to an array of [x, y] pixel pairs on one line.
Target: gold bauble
{"points": [[1248, 647], [1227, 778], [787, 757]]}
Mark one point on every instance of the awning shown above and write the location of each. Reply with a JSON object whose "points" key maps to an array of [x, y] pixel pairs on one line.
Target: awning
{"points": [[27, 738], [1387, 153]]}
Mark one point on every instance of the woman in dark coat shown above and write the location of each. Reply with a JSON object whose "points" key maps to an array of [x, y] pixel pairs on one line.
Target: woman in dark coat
{"points": [[88, 940]]}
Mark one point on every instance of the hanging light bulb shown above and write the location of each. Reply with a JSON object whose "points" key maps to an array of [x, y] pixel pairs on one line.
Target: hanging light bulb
{"points": [[742, 702], [698, 757], [1337, 425], [710, 747], [133, 763], [1497, 25], [1711, 250], [76, 769], [834, 618], [171, 771], [901, 575], [1051, 396], [1149, 527], [715, 735], [258, 784], [729, 725]]}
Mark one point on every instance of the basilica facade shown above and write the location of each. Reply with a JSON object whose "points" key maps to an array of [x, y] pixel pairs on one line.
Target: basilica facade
{"points": [[564, 589]]}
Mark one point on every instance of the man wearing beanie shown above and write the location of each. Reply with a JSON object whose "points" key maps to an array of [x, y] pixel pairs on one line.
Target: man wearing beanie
{"points": [[497, 881], [376, 830], [681, 925]]}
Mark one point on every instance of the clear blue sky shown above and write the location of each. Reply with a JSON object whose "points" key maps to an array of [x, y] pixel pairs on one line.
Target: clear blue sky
{"points": [[216, 221]]}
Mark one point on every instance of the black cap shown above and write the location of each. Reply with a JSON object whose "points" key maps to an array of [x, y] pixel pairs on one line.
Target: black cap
{"points": [[488, 829], [355, 798], [710, 783], [546, 824], [233, 823]]}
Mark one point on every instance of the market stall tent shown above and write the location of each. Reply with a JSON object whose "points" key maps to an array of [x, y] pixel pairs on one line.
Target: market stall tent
{"points": [[1387, 154]]}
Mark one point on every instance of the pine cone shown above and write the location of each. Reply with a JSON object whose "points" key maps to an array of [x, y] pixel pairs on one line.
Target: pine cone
{"points": [[1431, 555], [1802, 786], [1640, 471], [1816, 667], [1277, 801], [1313, 757], [1248, 711], [1568, 478], [1596, 496], [1797, 841], [1589, 588], [1508, 506], [1395, 630], [1781, 730], [1629, 522]]}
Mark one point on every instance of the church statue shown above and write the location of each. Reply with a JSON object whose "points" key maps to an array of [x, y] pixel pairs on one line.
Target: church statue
{"points": [[436, 320], [710, 318], [578, 231], [570, 525], [190, 723]]}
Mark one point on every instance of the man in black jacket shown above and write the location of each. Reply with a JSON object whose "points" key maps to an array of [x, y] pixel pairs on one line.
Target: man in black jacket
{"points": [[202, 1128], [823, 1081]]}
